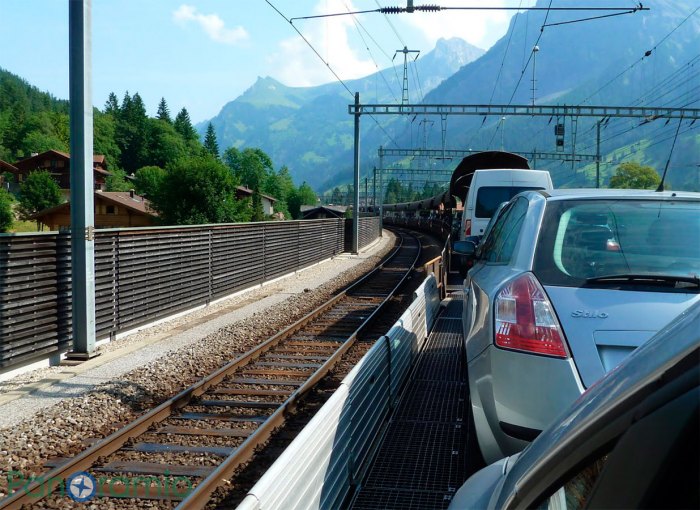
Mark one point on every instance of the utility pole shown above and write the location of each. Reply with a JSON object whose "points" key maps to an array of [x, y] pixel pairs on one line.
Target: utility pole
{"points": [[405, 51], [503, 128], [356, 181], [424, 123], [374, 190], [534, 65], [597, 153], [443, 126], [574, 126], [381, 190], [81, 179]]}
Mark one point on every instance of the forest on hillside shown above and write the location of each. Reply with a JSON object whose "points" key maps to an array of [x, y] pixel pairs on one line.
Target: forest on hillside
{"points": [[162, 157]]}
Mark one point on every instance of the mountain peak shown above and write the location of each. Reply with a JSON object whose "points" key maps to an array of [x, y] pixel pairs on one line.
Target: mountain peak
{"points": [[266, 82], [454, 44]]}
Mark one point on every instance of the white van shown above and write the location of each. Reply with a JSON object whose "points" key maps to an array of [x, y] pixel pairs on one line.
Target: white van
{"points": [[490, 188]]}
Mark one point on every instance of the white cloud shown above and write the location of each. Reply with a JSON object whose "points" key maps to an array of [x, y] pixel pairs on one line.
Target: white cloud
{"points": [[212, 24], [295, 64]]}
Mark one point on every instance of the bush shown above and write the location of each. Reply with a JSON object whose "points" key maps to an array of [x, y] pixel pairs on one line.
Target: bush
{"points": [[38, 192], [197, 191], [6, 216]]}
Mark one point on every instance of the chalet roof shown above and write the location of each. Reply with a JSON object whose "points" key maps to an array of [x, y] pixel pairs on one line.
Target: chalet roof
{"points": [[249, 192], [96, 158], [136, 203], [5, 166], [333, 210], [336, 208], [129, 200]]}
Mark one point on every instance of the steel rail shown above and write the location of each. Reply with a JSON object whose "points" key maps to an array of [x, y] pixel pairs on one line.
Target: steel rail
{"points": [[201, 494], [28, 494]]}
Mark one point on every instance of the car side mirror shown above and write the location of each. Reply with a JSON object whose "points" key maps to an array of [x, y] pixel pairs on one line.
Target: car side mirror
{"points": [[474, 239], [466, 248]]}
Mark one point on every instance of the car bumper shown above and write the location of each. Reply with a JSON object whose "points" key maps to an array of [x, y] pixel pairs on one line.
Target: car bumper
{"points": [[515, 395]]}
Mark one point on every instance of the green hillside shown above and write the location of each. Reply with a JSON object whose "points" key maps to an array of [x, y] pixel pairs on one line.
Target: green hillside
{"points": [[599, 62], [309, 128], [30, 120]]}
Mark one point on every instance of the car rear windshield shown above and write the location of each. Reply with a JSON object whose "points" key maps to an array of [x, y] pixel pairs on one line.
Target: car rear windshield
{"points": [[488, 198], [582, 239]]}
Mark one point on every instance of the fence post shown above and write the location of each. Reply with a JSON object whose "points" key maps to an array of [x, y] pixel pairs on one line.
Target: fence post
{"points": [[210, 263]]}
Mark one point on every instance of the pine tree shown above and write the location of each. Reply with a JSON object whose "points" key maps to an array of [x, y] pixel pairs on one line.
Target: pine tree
{"points": [[112, 104], [258, 212], [163, 111], [132, 133], [211, 146], [126, 102], [183, 125]]}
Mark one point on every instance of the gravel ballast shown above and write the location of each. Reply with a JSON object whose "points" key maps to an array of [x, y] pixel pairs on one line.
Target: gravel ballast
{"points": [[49, 419]]}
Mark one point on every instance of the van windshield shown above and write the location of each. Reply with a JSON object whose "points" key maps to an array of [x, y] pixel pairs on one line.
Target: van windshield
{"points": [[488, 198]]}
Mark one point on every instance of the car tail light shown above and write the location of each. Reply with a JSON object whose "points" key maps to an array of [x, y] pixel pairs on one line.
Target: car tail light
{"points": [[467, 228], [612, 245], [525, 320]]}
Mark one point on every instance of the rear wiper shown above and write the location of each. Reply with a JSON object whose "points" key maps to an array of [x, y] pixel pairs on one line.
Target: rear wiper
{"points": [[642, 279]]}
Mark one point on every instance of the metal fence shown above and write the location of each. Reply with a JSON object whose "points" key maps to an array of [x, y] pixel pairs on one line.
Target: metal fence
{"points": [[142, 275], [369, 231], [324, 464]]}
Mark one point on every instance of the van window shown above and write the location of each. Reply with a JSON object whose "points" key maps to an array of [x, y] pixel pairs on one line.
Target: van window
{"points": [[488, 198]]}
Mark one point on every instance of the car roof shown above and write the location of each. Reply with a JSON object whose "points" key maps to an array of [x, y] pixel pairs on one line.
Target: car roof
{"points": [[601, 403], [587, 193]]}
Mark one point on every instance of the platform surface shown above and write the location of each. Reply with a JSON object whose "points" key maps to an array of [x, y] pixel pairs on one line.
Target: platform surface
{"points": [[424, 455]]}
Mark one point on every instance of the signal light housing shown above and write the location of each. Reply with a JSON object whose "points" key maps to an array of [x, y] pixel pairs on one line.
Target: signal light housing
{"points": [[525, 320]]}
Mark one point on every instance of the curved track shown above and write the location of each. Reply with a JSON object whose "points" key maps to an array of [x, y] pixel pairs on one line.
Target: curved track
{"points": [[193, 443]]}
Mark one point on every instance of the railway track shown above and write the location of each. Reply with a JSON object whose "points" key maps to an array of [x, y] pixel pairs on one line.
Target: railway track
{"points": [[184, 449]]}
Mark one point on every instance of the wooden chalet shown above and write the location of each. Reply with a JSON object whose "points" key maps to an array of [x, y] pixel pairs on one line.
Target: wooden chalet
{"points": [[268, 202], [57, 163], [113, 209], [7, 168]]}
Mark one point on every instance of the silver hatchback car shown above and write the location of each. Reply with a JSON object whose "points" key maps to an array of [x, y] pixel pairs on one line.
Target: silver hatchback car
{"points": [[565, 285]]}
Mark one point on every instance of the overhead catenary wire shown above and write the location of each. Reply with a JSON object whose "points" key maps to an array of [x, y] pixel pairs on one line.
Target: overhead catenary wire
{"points": [[391, 25], [529, 59], [658, 95], [376, 65], [498, 77], [437, 8], [647, 54], [653, 95], [505, 54], [308, 43], [592, 18], [522, 73], [388, 57]]}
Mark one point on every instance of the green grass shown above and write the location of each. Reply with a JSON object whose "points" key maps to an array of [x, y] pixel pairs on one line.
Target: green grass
{"points": [[23, 226]]}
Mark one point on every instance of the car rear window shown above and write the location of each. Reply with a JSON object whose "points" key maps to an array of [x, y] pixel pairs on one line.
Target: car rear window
{"points": [[583, 239], [488, 198]]}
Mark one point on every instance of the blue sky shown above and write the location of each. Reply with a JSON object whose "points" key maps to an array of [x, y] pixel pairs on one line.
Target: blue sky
{"points": [[200, 54]]}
